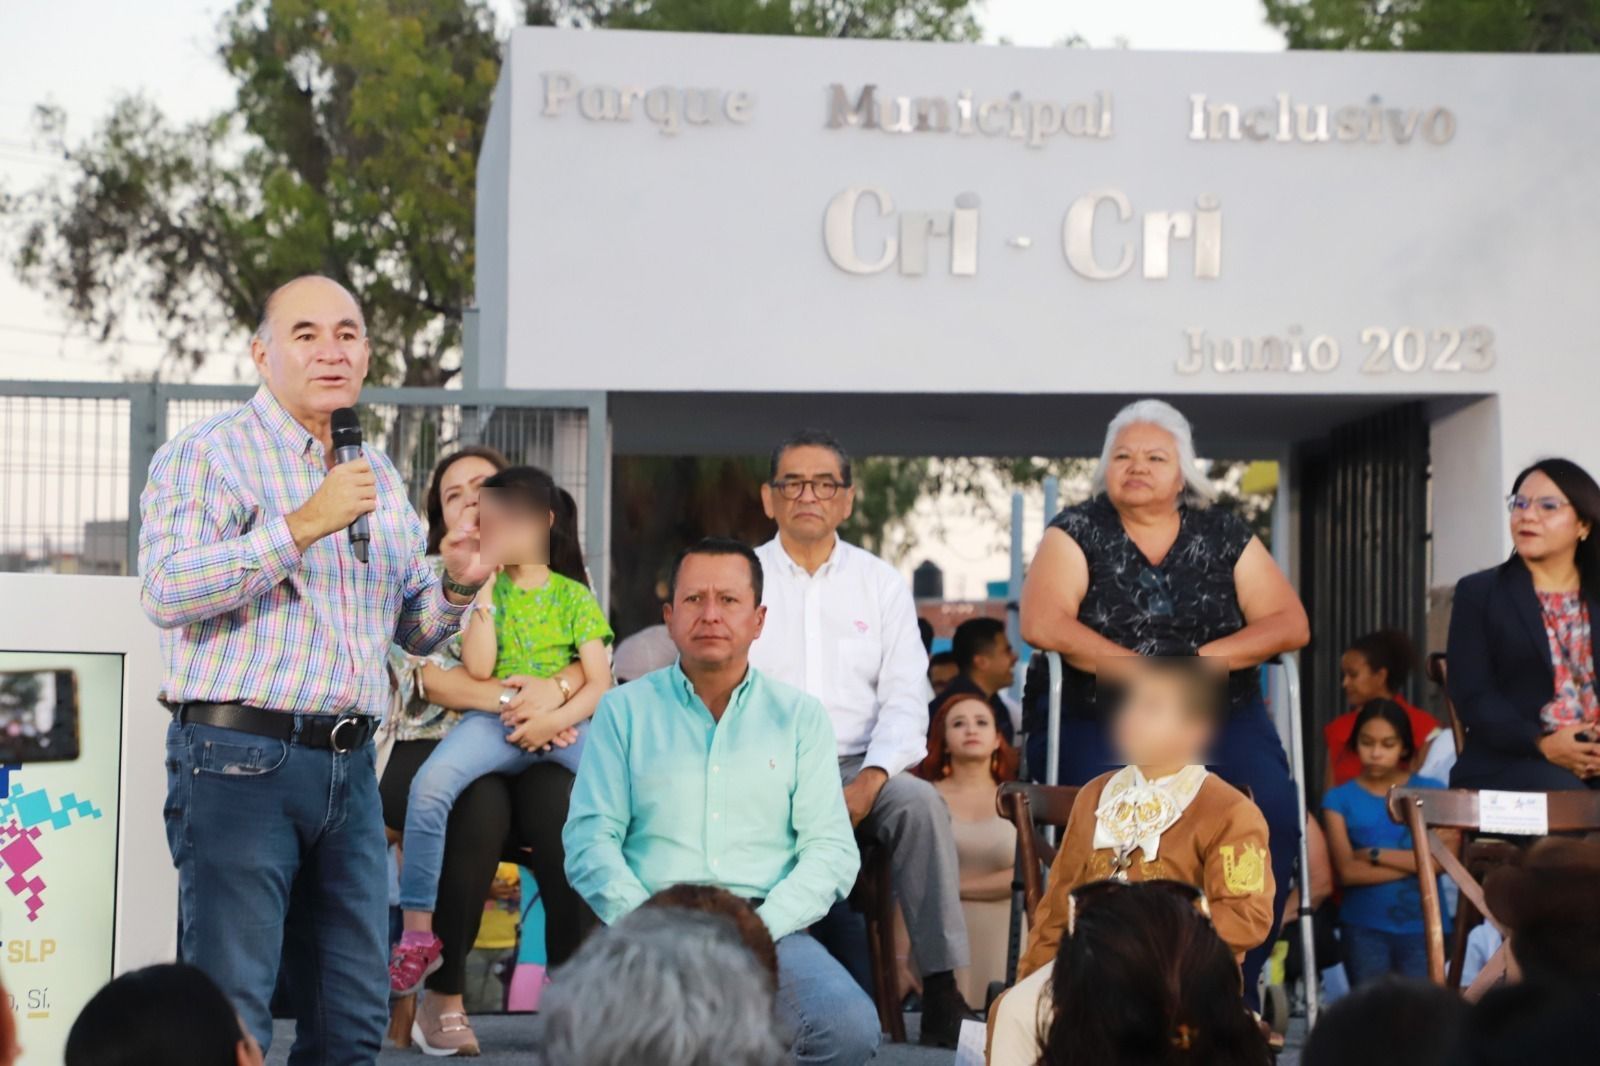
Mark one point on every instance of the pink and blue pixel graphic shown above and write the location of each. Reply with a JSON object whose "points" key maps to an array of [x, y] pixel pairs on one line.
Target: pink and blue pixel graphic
{"points": [[24, 817]]}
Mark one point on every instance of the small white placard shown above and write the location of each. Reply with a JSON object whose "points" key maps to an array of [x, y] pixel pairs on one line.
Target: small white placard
{"points": [[1519, 813], [969, 1049]]}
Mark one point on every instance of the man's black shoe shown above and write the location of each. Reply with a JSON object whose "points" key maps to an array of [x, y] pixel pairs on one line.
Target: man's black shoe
{"points": [[943, 1011]]}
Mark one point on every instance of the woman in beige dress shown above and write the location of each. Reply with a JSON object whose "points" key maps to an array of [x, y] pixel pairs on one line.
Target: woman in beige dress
{"points": [[967, 760]]}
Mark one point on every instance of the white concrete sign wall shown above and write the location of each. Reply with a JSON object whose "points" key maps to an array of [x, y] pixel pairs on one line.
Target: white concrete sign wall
{"points": [[708, 212], [773, 215]]}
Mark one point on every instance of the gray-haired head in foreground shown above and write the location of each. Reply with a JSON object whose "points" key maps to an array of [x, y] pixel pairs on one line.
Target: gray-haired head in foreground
{"points": [[1197, 490], [663, 986]]}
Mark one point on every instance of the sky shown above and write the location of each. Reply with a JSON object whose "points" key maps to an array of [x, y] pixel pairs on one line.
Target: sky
{"points": [[84, 54]]}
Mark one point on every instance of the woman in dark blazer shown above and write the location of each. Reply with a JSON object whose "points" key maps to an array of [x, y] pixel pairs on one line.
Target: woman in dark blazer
{"points": [[1522, 651]]}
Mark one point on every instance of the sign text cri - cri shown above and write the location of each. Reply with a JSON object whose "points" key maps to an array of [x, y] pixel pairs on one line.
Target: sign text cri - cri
{"points": [[912, 233]]}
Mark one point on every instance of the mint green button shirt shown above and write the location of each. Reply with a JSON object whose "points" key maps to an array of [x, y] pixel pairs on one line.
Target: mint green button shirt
{"points": [[667, 795]]}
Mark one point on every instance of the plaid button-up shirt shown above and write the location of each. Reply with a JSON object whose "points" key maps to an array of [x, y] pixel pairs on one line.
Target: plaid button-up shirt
{"points": [[245, 616]]}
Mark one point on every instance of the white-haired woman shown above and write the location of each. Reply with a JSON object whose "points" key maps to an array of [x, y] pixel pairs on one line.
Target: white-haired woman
{"points": [[1147, 567], [664, 986]]}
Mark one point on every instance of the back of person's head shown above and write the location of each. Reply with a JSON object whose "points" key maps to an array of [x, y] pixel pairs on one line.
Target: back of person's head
{"points": [[1390, 1022], [1532, 1025], [663, 986], [1388, 650], [974, 637], [168, 1015], [1549, 903], [531, 488], [1144, 979], [925, 631], [709, 899]]}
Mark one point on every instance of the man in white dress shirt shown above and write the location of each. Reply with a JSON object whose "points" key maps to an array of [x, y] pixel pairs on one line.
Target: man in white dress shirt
{"points": [[842, 626]]}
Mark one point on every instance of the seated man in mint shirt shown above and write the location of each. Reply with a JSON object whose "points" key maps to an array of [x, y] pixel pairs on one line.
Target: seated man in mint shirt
{"points": [[707, 772]]}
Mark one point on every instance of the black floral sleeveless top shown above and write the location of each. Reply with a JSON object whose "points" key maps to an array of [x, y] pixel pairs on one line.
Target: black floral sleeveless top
{"points": [[1172, 609]]}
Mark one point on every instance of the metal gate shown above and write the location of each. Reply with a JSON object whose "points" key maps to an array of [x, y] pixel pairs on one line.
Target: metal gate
{"points": [[74, 455], [1364, 546]]}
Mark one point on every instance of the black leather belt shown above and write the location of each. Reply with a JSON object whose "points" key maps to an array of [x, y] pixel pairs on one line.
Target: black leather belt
{"points": [[340, 733]]}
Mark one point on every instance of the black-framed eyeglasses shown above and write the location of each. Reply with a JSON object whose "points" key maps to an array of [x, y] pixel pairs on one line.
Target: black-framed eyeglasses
{"points": [[1543, 504], [821, 488], [1087, 895]]}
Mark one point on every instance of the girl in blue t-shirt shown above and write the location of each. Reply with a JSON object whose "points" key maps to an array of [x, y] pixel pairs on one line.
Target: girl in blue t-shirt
{"points": [[1380, 914]]}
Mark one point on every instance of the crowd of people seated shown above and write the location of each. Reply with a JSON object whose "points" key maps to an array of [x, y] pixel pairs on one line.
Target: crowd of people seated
{"points": [[696, 832]]}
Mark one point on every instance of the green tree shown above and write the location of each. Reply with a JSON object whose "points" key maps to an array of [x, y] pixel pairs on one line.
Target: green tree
{"points": [[1439, 25], [913, 20], [350, 150]]}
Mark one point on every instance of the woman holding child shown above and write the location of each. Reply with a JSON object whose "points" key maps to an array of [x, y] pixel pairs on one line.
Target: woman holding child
{"points": [[1147, 567], [517, 816]]}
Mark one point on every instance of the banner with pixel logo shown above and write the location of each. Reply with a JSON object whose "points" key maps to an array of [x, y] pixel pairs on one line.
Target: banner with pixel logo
{"points": [[60, 751]]}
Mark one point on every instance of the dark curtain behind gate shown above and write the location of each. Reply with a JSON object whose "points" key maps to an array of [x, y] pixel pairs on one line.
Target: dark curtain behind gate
{"points": [[1364, 552]]}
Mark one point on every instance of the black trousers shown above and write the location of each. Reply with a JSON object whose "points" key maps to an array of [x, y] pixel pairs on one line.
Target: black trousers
{"points": [[511, 819]]}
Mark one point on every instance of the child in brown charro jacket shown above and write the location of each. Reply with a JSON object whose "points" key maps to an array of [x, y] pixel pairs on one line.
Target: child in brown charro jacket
{"points": [[1163, 816]]}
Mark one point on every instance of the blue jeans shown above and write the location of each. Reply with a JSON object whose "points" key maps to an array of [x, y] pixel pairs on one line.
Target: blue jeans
{"points": [[281, 862], [831, 1020], [844, 933], [475, 746], [1371, 953], [1246, 753]]}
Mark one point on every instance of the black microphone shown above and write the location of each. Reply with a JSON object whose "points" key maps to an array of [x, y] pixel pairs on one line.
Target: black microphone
{"points": [[347, 448]]}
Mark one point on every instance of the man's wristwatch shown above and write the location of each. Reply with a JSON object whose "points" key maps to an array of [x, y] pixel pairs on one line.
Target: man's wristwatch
{"points": [[1372, 856], [452, 585], [565, 686]]}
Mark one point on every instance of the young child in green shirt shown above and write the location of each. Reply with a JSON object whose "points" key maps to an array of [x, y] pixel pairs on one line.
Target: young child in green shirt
{"points": [[535, 618]]}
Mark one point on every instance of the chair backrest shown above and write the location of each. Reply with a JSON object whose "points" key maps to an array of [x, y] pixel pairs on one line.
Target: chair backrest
{"points": [[1439, 674], [1457, 808], [1030, 808], [1425, 811]]}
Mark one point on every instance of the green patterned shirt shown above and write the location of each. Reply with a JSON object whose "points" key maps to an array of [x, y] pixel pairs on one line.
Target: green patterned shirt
{"points": [[539, 631]]}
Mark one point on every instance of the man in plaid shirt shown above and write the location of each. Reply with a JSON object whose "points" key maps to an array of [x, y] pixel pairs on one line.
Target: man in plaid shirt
{"points": [[275, 638]]}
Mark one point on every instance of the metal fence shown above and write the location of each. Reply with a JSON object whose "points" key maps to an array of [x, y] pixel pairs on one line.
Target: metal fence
{"points": [[74, 456]]}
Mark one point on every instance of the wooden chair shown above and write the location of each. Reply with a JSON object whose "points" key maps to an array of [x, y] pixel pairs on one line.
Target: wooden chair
{"points": [[1030, 808], [1439, 673], [1427, 811], [873, 897]]}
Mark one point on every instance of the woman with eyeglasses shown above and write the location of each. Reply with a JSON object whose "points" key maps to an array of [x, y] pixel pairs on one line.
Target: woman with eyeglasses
{"points": [[1521, 652], [1148, 567]]}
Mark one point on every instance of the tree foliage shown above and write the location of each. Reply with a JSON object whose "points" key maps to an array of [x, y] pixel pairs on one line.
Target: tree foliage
{"points": [[1439, 25], [913, 20], [350, 150]]}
